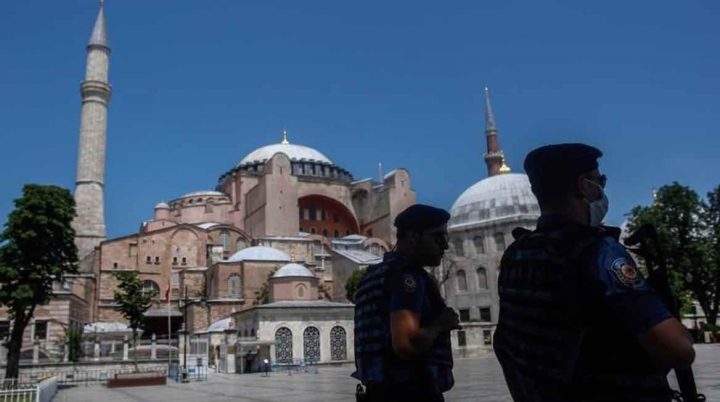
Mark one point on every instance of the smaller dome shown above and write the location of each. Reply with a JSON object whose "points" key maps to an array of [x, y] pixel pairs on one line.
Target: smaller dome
{"points": [[204, 193], [162, 205], [259, 253], [504, 196], [220, 325], [293, 270]]}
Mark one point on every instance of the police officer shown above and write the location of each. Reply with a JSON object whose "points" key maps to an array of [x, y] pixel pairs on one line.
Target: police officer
{"points": [[578, 322], [402, 325]]}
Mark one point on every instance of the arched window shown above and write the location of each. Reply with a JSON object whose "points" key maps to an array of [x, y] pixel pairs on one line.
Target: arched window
{"points": [[240, 244], [499, 241], [482, 278], [338, 343], [479, 245], [300, 291], [151, 287], [461, 281], [283, 345], [458, 246], [224, 239], [234, 289], [311, 344]]}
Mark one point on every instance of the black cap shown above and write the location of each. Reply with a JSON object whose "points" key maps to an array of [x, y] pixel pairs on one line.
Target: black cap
{"points": [[421, 217], [552, 168]]}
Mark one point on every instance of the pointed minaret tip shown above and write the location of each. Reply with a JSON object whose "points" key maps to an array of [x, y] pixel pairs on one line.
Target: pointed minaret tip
{"points": [[99, 33], [489, 118]]}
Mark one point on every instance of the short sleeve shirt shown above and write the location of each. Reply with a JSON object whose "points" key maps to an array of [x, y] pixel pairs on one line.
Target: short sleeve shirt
{"points": [[409, 289], [624, 289]]}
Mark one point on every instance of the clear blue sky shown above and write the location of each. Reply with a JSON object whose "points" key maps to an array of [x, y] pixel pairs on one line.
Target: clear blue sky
{"points": [[199, 84]]}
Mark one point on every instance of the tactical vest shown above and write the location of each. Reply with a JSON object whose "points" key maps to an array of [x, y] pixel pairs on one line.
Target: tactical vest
{"points": [[374, 358], [372, 331], [553, 340]]}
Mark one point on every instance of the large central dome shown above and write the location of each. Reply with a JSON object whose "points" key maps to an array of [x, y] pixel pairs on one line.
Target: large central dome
{"points": [[293, 151], [493, 199]]}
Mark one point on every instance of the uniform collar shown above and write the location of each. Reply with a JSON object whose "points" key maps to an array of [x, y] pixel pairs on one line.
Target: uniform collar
{"points": [[550, 222], [399, 259]]}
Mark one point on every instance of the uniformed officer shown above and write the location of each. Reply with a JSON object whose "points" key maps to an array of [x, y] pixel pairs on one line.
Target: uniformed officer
{"points": [[402, 325], [578, 322]]}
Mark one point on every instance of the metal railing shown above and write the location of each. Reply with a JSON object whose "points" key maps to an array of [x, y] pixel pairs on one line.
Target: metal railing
{"points": [[15, 390], [194, 373]]}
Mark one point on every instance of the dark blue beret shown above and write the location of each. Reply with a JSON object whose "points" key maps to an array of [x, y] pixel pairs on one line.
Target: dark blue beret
{"points": [[552, 167], [421, 217]]}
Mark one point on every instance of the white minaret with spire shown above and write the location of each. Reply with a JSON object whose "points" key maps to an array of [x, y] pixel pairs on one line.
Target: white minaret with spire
{"points": [[89, 223]]}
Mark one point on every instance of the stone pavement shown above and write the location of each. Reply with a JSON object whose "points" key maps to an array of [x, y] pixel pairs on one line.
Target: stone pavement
{"points": [[476, 380]]}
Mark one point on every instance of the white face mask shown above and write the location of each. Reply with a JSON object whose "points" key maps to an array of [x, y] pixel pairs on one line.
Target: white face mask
{"points": [[598, 208]]}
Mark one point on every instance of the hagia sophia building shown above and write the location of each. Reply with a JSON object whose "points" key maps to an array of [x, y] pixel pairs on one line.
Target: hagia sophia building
{"points": [[265, 252]]}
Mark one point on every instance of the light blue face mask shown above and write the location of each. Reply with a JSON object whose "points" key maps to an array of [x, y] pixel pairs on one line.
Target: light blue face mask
{"points": [[599, 207]]}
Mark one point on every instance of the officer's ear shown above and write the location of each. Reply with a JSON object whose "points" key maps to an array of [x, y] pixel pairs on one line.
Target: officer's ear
{"points": [[413, 237]]}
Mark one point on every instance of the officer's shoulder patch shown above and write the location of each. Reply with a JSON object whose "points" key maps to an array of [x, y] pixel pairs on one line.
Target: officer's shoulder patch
{"points": [[409, 283], [626, 272]]}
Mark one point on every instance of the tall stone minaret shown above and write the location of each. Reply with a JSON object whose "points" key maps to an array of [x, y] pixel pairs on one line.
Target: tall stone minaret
{"points": [[89, 187], [494, 157]]}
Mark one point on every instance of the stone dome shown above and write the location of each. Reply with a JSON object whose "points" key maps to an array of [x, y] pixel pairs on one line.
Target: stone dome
{"points": [[220, 325], [496, 198], [293, 270], [259, 253], [293, 151], [205, 193], [162, 205]]}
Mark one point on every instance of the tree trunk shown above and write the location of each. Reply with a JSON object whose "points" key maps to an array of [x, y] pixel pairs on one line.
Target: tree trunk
{"points": [[12, 370], [135, 349]]}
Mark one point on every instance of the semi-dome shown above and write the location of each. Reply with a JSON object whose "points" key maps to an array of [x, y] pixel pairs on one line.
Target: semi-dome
{"points": [[494, 198], [259, 253], [293, 151], [293, 270], [204, 193]]}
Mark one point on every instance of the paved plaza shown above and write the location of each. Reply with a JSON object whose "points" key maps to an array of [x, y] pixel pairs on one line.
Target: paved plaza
{"points": [[477, 380]]}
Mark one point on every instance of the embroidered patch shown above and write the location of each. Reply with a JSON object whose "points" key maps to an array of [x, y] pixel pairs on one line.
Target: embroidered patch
{"points": [[409, 283], [626, 272]]}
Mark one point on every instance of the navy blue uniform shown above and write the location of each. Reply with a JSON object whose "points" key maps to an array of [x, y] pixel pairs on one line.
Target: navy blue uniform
{"points": [[572, 302], [395, 285]]}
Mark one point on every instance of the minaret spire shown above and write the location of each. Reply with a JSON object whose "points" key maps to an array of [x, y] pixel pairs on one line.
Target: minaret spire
{"points": [[99, 33], [494, 157], [95, 90]]}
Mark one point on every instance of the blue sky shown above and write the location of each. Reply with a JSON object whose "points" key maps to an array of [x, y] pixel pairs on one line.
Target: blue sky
{"points": [[199, 84]]}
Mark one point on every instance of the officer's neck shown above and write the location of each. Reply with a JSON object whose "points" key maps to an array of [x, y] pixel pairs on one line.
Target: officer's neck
{"points": [[408, 254], [573, 211]]}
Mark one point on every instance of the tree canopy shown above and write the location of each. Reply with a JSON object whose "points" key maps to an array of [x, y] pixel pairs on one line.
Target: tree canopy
{"points": [[689, 231], [36, 249]]}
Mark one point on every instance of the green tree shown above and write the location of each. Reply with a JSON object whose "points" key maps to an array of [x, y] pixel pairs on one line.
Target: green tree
{"points": [[681, 218], [74, 338], [712, 227], [352, 283], [133, 301], [36, 249]]}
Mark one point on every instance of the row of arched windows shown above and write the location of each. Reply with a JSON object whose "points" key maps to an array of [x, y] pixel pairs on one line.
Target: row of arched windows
{"points": [[462, 284], [311, 344]]}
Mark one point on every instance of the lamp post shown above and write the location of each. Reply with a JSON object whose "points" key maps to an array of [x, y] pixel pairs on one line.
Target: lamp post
{"points": [[187, 334]]}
